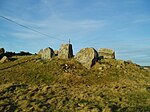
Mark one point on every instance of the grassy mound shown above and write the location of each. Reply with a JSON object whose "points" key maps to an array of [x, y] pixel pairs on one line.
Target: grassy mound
{"points": [[28, 84]]}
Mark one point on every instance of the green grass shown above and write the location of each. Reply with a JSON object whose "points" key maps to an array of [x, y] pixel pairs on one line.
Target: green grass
{"points": [[30, 84]]}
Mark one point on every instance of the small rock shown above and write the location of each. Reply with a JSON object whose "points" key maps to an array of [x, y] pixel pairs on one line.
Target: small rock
{"points": [[4, 59], [45, 88], [82, 104]]}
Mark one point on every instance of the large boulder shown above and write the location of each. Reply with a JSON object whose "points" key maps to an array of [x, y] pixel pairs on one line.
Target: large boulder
{"points": [[40, 52], [4, 59], [65, 51], [105, 53], [47, 53], [87, 57], [2, 51]]}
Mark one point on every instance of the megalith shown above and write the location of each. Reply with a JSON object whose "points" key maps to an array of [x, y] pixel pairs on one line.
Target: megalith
{"points": [[105, 53], [47, 53], [40, 52], [87, 57], [65, 51]]}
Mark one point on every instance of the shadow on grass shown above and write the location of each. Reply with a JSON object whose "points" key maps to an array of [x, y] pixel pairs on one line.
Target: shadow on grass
{"points": [[13, 59], [16, 64]]}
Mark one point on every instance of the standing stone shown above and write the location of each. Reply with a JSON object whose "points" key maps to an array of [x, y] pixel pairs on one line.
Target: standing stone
{"points": [[87, 57], [65, 51], [4, 59], [48, 53], [40, 52], [2, 51], [105, 53]]}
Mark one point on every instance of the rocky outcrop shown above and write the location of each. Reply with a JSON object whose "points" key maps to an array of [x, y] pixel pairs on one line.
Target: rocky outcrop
{"points": [[4, 59], [2, 51], [65, 51], [48, 53], [87, 57], [105, 53]]}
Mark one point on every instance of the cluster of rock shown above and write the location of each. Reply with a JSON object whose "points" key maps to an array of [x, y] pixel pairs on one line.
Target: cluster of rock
{"points": [[65, 52], [89, 56], [86, 56]]}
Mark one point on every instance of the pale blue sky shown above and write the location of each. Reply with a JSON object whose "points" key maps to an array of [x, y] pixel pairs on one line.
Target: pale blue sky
{"points": [[123, 25]]}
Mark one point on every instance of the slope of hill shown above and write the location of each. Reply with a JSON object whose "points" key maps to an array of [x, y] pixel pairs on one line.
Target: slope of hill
{"points": [[28, 84]]}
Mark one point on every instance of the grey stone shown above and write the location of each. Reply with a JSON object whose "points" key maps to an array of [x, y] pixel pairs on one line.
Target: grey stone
{"points": [[2, 50], [65, 51], [40, 52], [4, 59], [87, 57], [106, 53], [48, 53]]}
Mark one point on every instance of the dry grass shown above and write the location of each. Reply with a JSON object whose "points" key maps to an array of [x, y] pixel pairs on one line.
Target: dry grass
{"points": [[30, 84]]}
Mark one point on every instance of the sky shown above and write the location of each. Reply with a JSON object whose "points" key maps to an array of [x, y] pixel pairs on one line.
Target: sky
{"points": [[122, 25]]}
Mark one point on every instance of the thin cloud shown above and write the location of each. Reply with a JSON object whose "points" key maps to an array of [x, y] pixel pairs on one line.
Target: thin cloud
{"points": [[142, 19], [26, 35], [59, 26], [122, 29]]}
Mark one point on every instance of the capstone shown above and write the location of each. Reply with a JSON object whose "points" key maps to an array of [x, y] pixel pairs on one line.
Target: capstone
{"points": [[105, 53]]}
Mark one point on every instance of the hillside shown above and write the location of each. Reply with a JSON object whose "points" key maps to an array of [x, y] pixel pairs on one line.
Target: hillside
{"points": [[29, 84]]}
